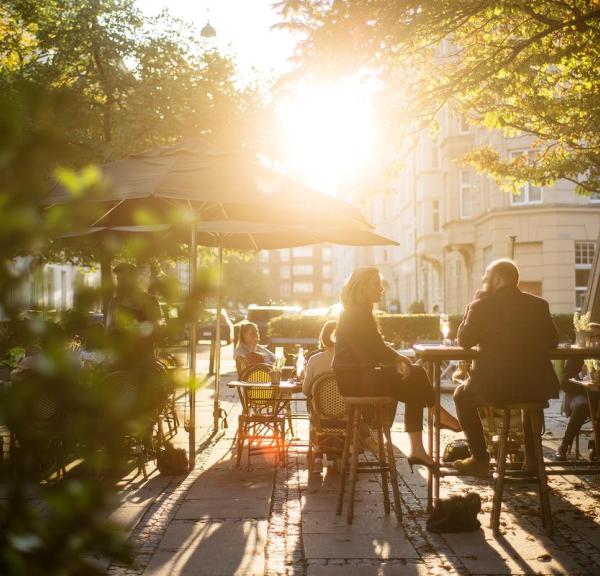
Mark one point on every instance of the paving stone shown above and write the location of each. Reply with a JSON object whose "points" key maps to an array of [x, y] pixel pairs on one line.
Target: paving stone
{"points": [[358, 545], [222, 508]]}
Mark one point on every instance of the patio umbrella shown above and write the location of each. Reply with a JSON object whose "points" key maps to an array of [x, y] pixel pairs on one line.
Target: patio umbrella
{"points": [[240, 235], [196, 181]]}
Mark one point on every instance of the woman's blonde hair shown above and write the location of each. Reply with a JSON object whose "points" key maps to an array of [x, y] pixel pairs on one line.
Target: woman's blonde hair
{"points": [[244, 326], [354, 287]]}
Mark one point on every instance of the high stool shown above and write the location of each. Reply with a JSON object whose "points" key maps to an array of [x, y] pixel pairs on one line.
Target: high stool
{"points": [[358, 407], [533, 416]]}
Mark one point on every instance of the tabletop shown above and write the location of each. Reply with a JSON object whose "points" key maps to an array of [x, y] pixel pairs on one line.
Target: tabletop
{"points": [[440, 352], [589, 384], [285, 385]]}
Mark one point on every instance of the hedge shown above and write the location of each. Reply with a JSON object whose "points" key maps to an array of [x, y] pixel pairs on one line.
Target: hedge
{"points": [[401, 329]]}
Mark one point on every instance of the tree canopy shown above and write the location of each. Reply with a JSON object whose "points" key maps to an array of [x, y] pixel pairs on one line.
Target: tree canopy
{"points": [[521, 67], [135, 82]]}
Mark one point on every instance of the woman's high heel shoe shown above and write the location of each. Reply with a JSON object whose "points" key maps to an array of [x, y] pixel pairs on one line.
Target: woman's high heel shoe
{"points": [[412, 460]]}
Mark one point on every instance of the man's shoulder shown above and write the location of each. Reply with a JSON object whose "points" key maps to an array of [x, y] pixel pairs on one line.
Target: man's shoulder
{"points": [[534, 301]]}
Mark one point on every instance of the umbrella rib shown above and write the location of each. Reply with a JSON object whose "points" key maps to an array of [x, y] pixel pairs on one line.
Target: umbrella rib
{"points": [[108, 212]]}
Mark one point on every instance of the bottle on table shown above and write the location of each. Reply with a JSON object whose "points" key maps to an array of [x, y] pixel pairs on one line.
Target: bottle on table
{"points": [[300, 363]]}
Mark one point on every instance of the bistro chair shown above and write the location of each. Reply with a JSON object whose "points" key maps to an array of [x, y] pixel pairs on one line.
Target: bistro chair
{"points": [[126, 396], [166, 364], [360, 409], [262, 418], [533, 416], [328, 413], [39, 428]]}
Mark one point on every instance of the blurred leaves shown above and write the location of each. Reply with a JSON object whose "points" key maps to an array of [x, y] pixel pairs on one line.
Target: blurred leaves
{"points": [[522, 67]]}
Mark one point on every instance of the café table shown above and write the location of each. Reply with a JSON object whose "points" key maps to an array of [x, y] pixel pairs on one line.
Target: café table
{"points": [[433, 356]]}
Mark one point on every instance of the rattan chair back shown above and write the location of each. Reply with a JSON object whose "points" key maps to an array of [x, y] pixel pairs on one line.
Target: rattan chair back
{"points": [[327, 400]]}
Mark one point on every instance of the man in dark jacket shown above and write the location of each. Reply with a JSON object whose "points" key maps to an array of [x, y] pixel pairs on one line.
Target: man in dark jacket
{"points": [[515, 334]]}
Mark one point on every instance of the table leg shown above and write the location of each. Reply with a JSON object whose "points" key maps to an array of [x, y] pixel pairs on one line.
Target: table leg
{"points": [[595, 420], [430, 447], [437, 371]]}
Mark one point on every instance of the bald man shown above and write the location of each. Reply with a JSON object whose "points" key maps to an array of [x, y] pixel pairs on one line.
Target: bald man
{"points": [[515, 334]]}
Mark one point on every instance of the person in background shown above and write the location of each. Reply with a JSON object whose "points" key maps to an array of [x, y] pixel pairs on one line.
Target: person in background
{"points": [[575, 404], [515, 334], [365, 366], [131, 308], [248, 351], [320, 363]]}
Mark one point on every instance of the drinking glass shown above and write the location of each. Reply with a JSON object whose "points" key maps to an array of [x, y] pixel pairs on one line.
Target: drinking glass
{"points": [[445, 328]]}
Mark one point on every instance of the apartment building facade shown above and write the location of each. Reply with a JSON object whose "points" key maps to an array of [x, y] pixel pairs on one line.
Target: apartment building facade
{"points": [[300, 276], [451, 222]]}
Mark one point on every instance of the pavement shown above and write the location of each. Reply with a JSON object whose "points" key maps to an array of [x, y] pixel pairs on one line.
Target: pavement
{"points": [[263, 519]]}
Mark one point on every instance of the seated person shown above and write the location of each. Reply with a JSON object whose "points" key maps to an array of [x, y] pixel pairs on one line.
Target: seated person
{"points": [[515, 334], [365, 366], [320, 363], [575, 405], [248, 351]]}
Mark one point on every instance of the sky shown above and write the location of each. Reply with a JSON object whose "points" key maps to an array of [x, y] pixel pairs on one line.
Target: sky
{"points": [[242, 26]]}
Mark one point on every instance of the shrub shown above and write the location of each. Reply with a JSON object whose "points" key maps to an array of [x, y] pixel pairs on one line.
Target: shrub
{"points": [[399, 329]]}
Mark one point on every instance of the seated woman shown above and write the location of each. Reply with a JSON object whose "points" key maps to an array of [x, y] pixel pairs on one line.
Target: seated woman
{"points": [[248, 351], [575, 404], [366, 366], [320, 363]]}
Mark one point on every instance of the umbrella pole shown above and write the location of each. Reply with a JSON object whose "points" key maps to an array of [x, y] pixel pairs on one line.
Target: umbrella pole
{"points": [[217, 402], [193, 257]]}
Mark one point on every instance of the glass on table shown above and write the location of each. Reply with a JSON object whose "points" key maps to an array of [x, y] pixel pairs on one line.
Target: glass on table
{"points": [[445, 328]]}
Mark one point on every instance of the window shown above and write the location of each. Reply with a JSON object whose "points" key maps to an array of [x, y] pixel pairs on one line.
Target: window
{"points": [[595, 197], [265, 270], [284, 255], [584, 255], [284, 272], [327, 271], [534, 288], [435, 162], [529, 194], [327, 289], [302, 252], [463, 124], [435, 215], [302, 269], [326, 253], [466, 193], [284, 289], [303, 287], [263, 256]]}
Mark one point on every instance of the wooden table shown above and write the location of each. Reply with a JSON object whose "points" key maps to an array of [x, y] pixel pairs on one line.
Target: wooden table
{"points": [[434, 356]]}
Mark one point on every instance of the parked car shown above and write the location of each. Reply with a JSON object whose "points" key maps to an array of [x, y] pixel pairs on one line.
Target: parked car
{"points": [[261, 315], [207, 326]]}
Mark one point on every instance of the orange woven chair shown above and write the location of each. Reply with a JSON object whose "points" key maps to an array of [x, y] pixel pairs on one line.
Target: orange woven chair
{"points": [[328, 413], [262, 418]]}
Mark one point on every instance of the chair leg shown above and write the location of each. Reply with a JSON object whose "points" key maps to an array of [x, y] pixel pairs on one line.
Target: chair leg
{"points": [[499, 475], [382, 463], [393, 473], [345, 453], [536, 431], [240, 440], [353, 465]]}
